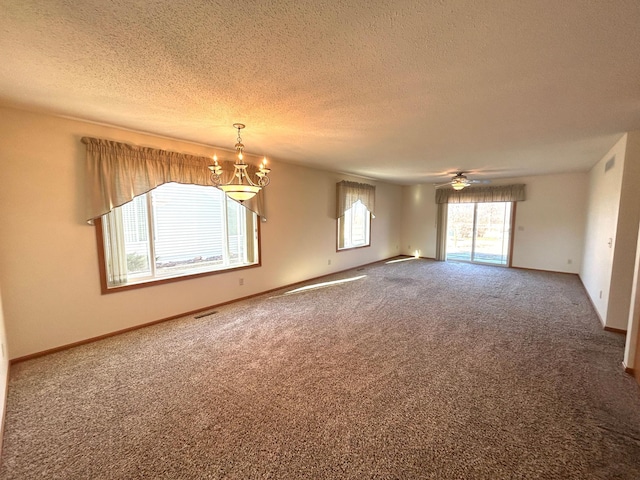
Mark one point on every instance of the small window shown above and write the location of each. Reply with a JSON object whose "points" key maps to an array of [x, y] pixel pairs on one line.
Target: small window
{"points": [[354, 227], [176, 231]]}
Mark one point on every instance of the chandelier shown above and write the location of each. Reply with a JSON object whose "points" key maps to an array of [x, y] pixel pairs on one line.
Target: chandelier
{"points": [[240, 187]]}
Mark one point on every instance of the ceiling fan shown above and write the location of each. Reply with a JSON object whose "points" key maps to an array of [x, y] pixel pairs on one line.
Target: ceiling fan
{"points": [[460, 181]]}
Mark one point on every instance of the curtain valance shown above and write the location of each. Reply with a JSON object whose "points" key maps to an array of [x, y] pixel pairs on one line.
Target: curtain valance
{"points": [[350, 192], [119, 172], [500, 193]]}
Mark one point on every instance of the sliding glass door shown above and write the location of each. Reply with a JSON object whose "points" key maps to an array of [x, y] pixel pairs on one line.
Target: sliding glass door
{"points": [[479, 232]]}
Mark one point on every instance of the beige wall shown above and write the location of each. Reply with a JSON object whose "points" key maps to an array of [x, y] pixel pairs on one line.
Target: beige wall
{"points": [[631, 352], [48, 254], [611, 233], [549, 224], [549, 227], [419, 212], [4, 371], [626, 238], [633, 323]]}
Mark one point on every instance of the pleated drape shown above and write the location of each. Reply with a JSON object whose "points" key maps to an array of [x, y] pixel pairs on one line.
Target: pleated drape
{"points": [[500, 193], [350, 192], [441, 232], [116, 173]]}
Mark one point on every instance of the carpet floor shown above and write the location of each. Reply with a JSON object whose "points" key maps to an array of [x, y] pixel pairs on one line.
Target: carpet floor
{"points": [[408, 370]]}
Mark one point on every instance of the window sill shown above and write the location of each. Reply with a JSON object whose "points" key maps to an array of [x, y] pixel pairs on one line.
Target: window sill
{"points": [[352, 248], [162, 281]]}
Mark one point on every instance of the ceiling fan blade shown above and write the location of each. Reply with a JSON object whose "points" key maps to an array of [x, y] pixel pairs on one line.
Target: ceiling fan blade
{"points": [[440, 185], [479, 181]]}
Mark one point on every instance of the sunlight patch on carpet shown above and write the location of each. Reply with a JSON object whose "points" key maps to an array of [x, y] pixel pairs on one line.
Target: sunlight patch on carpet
{"points": [[316, 286]]}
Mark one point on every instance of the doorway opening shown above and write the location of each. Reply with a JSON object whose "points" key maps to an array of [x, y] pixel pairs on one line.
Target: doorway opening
{"points": [[479, 232]]}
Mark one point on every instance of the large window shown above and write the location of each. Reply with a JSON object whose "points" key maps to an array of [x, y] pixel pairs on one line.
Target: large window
{"points": [[175, 231], [354, 227]]}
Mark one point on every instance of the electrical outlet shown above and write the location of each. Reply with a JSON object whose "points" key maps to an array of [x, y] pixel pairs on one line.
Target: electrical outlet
{"points": [[329, 262], [241, 281], [569, 261], [600, 293]]}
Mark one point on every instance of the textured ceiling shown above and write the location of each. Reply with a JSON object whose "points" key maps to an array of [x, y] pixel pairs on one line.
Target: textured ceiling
{"points": [[398, 90]]}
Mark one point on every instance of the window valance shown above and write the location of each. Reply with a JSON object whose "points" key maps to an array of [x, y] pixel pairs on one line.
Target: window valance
{"points": [[119, 172], [350, 192], [500, 193]]}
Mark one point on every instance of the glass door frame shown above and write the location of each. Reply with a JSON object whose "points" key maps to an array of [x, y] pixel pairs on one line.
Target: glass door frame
{"points": [[511, 221]]}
